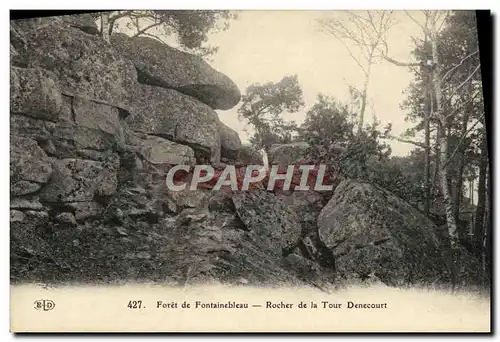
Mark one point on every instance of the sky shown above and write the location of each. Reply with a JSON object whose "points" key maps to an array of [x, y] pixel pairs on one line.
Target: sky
{"points": [[264, 46]]}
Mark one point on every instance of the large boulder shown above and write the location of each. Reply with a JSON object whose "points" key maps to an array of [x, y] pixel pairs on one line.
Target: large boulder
{"points": [[230, 142], [34, 93], [18, 45], [275, 224], [76, 180], [156, 150], [307, 204], [249, 156], [372, 232], [83, 22], [161, 65], [69, 139], [287, 154], [94, 115], [85, 129], [84, 64], [177, 117], [30, 167], [30, 127]]}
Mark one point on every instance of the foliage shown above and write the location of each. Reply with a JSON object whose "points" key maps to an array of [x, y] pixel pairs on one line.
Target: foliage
{"points": [[262, 106], [329, 129], [461, 87], [190, 27]]}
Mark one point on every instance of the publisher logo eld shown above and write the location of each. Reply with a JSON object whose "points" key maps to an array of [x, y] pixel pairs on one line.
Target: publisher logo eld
{"points": [[44, 304]]}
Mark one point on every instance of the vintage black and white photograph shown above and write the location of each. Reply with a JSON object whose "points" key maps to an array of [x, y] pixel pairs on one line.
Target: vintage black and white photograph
{"points": [[336, 162]]}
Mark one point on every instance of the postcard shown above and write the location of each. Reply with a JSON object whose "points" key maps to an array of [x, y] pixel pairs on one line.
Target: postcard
{"points": [[250, 171]]}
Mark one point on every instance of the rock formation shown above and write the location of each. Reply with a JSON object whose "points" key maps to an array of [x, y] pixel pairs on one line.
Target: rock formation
{"points": [[95, 127]]}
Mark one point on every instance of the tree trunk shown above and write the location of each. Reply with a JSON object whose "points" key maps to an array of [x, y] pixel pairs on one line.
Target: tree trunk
{"points": [[443, 139], [458, 187], [427, 154], [462, 149], [363, 97], [105, 27], [471, 191], [447, 198], [459, 184], [486, 246], [481, 199], [435, 169]]}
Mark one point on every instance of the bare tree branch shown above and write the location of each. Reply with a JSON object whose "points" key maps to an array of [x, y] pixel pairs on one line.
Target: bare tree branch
{"points": [[367, 33], [343, 32], [456, 66], [406, 141], [153, 36], [142, 31], [398, 63], [335, 34], [424, 28], [459, 143], [464, 82], [472, 98], [446, 15], [371, 21], [115, 18], [366, 40]]}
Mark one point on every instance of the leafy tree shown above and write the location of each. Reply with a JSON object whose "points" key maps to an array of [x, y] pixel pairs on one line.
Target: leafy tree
{"points": [[446, 37], [401, 175], [329, 129], [191, 27], [328, 120], [263, 105], [460, 90], [445, 102]]}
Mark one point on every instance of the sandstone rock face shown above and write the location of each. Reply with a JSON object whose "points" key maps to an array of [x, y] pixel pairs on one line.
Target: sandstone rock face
{"points": [[30, 127], [97, 116], [85, 129], [271, 220], [24, 203], [371, 231], [157, 150], [18, 44], [248, 155], [287, 154], [174, 116], [90, 150], [84, 22], [34, 93], [161, 65], [307, 205], [29, 166], [76, 180], [84, 64], [230, 142], [213, 244]]}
